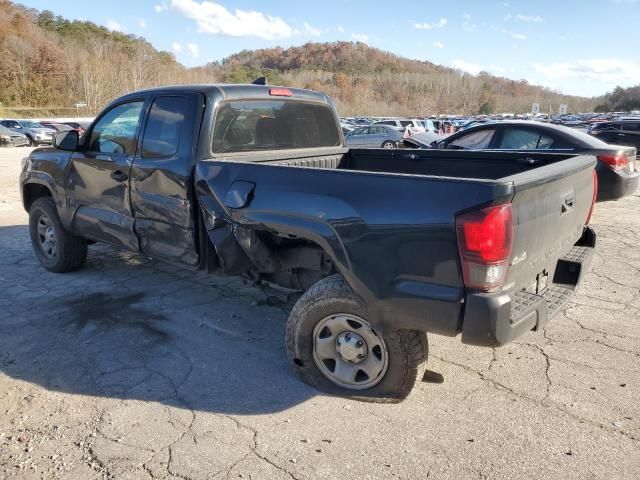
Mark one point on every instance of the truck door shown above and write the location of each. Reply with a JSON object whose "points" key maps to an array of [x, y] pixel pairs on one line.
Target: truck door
{"points": [[98, 176], [162, 178]]}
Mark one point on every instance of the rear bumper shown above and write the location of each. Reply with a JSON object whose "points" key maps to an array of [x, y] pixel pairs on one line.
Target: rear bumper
{"points": [[493, 319], [613, 185]]}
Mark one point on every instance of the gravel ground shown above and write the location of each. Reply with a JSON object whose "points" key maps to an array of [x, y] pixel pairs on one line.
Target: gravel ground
{"points": [[131, 368]]}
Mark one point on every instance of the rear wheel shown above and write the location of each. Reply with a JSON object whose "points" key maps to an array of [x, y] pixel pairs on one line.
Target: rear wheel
{"points": [[388, 144], [334, 348], [29, 141], [57, 250]]}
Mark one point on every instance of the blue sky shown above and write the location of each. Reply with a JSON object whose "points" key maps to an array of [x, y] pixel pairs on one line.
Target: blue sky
{"points": [[581, 47]]}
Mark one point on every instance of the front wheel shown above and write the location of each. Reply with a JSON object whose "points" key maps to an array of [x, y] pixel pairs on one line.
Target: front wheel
{"points": [[388, 144], [334, 348], [57, 250], [29, 141]]}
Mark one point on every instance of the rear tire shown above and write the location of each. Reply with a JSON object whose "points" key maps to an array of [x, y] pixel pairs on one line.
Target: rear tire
{"points": [[29, 141], [330, 298], [388, 144], [57, 250]]}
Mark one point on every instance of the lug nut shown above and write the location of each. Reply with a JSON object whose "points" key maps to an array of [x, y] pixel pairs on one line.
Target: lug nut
{"points": [[348, 336], [359, 343], [361, 355]]}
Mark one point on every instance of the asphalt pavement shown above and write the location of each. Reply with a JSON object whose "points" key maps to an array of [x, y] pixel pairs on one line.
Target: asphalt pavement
{"points": [[135, 369]]}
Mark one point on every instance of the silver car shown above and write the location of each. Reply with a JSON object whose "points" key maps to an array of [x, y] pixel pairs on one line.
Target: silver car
{"points": [[374, 136], [9, 138], [35, 132]]}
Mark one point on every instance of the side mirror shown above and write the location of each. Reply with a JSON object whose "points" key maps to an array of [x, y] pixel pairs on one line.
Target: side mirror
{"points": [[66, 140]]}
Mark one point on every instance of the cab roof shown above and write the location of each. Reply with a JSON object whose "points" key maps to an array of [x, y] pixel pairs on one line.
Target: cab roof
{"points": [[238, 91]]}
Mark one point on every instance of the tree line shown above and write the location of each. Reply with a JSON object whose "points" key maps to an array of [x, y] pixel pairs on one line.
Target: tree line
{"points": [[621, 100]]}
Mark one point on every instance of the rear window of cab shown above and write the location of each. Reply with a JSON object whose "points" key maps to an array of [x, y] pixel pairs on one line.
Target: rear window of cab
{"points": [[261, 125]]}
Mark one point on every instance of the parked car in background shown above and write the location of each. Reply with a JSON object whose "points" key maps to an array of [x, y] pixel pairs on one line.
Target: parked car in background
{"points": [[58, 127], [620, 132], [617, 168], [9, 138], [35, 132], [403, 124], [374, 136], [79, 127]]}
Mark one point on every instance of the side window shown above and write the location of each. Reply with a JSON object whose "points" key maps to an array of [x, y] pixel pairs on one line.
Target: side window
{"points": [[360, 131], [164, 126], [115, 132], [388, 122], [521, 139], [631, 127], [474, 140], [406, 123], [377, 130]]}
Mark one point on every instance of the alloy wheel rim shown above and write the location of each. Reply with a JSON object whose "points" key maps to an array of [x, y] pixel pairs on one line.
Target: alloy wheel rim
{"points": [[349, 352]]}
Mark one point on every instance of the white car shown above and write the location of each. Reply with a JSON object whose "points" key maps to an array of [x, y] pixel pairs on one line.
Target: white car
{"points": [[406, 125]]}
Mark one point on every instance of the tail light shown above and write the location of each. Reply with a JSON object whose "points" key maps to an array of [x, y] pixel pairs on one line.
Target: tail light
{"points": [[615, 162], [485, 238], [595, 196], [280, 92]]}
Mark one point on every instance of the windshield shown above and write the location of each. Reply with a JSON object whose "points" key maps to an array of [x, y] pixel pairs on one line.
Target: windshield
{"points": [[250, 125]]}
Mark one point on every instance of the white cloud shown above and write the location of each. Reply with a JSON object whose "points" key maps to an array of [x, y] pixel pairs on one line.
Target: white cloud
{"points": [[476, 68], [115, 26], [340, 29], [472, 68], [193, 49], [588, 77], [602, 69], [142, 23], [429, 26], [161, 7], [438, 45], [309, 30], [517, 36], [467, 24], [529, 18], [360, 38], [215, 19], [176, 47], [507, 17]]}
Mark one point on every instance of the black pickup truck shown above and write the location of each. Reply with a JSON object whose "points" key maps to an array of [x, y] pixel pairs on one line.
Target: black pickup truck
{"points": [[385, 244]]}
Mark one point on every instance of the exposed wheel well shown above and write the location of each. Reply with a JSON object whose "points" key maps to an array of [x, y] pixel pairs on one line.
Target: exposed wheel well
{"points": [[31, 192]]}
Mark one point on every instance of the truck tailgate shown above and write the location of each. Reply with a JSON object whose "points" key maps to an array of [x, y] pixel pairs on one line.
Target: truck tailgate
{"points": [[549, 216], [552, 247]]}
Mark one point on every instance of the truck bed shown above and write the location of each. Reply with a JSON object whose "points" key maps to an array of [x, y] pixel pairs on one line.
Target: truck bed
{"points": [[387, 220]]}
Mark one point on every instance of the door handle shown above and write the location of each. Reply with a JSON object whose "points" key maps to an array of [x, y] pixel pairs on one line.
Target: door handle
{"points": [[104, 158], [119, 176]]}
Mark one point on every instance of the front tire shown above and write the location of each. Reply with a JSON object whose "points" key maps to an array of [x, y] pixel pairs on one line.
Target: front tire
{"points": [[57, 250], [333, 347], [29, 141], [388, 144]]}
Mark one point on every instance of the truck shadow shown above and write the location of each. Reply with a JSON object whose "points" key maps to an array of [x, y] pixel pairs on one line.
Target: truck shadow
{"points": [[132, 328]]}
